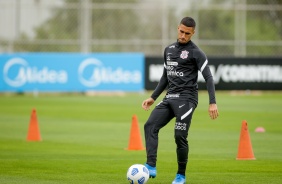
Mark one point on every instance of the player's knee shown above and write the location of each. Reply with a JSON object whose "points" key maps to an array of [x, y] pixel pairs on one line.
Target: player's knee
{"points": [[151, 129], [148, 126], [180, 139]]}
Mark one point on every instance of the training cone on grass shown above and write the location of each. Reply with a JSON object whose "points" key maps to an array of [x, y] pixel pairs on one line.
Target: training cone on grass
{"points": [[33, 129], [135, 139], [245, 150]]}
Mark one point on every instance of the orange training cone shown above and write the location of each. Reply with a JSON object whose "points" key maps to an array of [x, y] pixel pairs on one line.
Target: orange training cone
{"points": [[33, 130], [245, 150], [135, 139]]}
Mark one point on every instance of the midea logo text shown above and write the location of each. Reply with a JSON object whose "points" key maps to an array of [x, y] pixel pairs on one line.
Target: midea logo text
{"points": [[99, 74], [17, 73]]}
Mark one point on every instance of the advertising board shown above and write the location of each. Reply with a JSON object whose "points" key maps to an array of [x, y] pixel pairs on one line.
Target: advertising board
{"points": [[229, 73], [71, 72]]}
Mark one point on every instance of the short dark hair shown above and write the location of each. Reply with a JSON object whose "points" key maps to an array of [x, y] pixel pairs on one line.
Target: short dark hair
{"points": [[188, 22]]}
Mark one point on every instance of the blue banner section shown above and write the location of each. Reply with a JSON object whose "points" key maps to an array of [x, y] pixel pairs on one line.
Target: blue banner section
{"points": [[48, 72]]}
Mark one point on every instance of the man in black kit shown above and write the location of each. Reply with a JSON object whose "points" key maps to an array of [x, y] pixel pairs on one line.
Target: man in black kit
{"points": [[182, 61]]}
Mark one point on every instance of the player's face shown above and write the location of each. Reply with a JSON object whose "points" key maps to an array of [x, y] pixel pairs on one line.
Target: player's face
{"points": [[185, 33]]}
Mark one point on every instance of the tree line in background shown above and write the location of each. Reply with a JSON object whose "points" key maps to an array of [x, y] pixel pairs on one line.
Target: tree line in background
{"points": [[128, 25]]}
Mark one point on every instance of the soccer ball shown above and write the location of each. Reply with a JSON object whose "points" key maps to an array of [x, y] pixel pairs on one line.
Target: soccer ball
{"points": [[137, 174]]}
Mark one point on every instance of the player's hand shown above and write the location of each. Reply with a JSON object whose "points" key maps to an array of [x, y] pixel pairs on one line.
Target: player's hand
{"points": [[213, 111], [147, 103]]}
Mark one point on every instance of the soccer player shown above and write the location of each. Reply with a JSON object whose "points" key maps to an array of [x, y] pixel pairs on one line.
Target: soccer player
{"points": [[182, 61]]}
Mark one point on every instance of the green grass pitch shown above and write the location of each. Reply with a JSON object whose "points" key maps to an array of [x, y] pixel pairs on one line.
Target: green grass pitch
{"points": [[84, 140]]}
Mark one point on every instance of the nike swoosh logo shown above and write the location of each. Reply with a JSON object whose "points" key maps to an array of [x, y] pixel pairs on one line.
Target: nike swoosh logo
{"points": [[181, 105]]}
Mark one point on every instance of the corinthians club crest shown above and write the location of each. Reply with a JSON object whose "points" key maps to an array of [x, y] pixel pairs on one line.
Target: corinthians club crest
{"points": [[184, 54]]}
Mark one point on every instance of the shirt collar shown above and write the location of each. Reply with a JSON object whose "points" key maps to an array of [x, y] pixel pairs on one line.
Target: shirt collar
{"points": [[181, 44]]}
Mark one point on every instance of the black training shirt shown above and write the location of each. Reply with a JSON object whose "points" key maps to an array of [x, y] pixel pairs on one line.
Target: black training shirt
{"points": [[181, 65]]}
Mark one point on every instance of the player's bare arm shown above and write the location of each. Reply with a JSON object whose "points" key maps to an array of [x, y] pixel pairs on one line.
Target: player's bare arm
{"points": [[213, 111], [147, 103]]}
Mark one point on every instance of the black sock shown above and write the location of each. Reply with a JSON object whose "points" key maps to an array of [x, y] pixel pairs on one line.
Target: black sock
{"points": [[182, 168], [151, 164]]}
